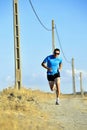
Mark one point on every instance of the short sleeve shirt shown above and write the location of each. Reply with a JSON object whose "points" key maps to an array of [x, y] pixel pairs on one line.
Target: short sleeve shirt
{"points": [[52, 63]]}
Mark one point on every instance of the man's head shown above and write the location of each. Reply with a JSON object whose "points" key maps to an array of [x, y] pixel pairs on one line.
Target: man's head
{"points": [[56, 52]]}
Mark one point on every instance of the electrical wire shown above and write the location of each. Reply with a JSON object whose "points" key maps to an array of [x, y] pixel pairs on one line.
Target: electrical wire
{"points": [[49, 30], [38, 17], [61, 46]]}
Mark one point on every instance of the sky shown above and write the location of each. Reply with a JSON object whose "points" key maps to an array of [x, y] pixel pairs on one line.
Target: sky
{"points": [[70, 18]]}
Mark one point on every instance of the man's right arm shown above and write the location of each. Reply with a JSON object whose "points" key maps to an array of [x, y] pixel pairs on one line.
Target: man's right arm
{"points": [[45, 66]]}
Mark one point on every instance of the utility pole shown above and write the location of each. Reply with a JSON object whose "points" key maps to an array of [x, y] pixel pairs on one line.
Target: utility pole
{"points": [[81, 88], [18, 82], [53, 42], [73, 76]]}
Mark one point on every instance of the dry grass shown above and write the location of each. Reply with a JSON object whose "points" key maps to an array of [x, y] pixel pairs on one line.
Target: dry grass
{"points": [[19, 109], [28, 109]]}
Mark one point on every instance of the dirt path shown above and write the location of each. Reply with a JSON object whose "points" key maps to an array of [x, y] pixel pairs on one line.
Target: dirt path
{"points": [[71, 114], [35, 110]]}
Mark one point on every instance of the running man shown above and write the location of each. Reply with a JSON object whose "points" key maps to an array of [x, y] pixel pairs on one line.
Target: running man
{"points": [[53, 64]]}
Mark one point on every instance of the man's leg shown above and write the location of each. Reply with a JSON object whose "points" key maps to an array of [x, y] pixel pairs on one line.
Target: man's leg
{"points": [[57, 81], [51, 84]]}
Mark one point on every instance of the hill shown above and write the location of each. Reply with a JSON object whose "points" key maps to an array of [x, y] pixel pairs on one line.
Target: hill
{"points": [[28, 109]]}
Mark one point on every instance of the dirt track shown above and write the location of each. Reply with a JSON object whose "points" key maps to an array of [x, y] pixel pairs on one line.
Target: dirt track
{"points": [[71, 114], [35, 110]]}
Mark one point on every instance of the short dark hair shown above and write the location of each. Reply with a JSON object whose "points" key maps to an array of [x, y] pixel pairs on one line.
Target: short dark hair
{"points": [[56, 49]]}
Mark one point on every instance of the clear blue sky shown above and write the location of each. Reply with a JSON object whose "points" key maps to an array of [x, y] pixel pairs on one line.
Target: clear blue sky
{"points": [[70, 17]]}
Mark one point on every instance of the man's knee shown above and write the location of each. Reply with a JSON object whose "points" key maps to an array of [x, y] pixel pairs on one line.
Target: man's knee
{"points": [[57, 80]]}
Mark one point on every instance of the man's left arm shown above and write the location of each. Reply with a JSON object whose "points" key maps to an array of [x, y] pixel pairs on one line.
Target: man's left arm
{"points": [[60, 66]]}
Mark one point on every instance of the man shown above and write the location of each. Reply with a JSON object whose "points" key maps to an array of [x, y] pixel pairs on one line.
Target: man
{"points": [[53, 64]]}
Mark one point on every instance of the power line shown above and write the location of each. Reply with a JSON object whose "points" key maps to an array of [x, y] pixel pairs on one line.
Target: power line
{"points": [[48, 30], [61, 46], [38, 17]]}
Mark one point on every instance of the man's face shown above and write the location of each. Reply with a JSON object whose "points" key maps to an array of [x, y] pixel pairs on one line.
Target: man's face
{"points": [[56, 53]]}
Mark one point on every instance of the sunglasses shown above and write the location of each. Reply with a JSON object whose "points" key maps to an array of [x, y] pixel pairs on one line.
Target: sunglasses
{"points": [[56, 53]]}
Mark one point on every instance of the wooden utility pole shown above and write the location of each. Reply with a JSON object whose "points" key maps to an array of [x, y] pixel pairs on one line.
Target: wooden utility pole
{"points": [[73, 77], [81, 88], [18, 82], [53, 41]]}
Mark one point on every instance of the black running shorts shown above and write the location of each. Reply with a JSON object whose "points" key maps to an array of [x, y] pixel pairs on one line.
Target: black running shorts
{"points": [[52, 77]]}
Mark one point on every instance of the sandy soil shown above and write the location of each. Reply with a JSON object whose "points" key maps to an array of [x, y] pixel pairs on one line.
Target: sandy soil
{"points": [[36, 110]]}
